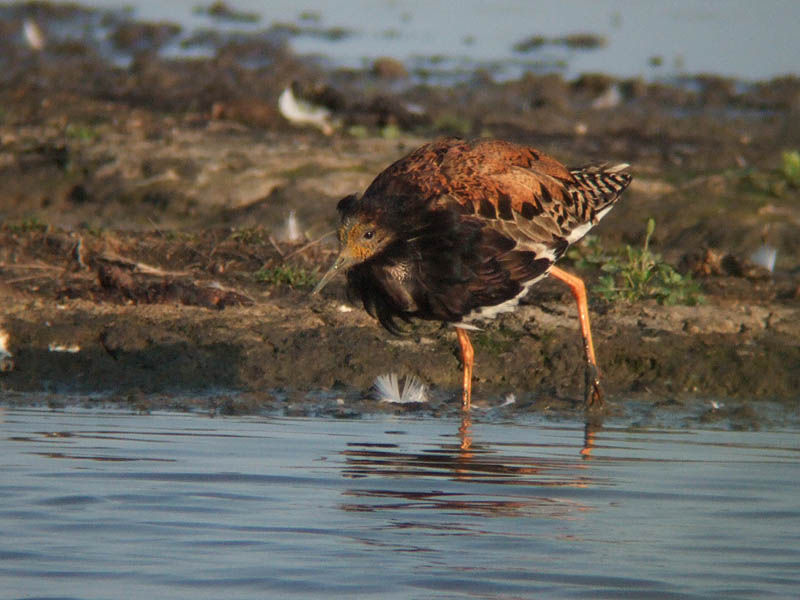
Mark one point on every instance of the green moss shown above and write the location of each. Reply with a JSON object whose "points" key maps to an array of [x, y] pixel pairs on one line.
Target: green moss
{"points": [[496, 341]]}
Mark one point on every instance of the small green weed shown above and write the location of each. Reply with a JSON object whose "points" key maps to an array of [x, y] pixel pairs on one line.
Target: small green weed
{"points": [[94, 231], [296, 277], [358, 131], [775, 182], [790, 167], [30, 224], [639, 273], [590, 254], [391, 132], [453, 123], [250, 235], [83, 133]]}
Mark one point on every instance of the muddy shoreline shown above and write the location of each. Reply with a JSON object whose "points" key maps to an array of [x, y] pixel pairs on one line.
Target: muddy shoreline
{"points": [[147, 252]]}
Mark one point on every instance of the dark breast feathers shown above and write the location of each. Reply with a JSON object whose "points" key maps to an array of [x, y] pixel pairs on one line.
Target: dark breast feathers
{"points": [[475, 224]]}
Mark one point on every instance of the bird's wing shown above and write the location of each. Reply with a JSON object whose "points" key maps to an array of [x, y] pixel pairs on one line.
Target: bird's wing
{"points": [[515, 188], [528, 193]]}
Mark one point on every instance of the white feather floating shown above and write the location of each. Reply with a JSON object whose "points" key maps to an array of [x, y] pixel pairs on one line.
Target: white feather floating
{"points": [[386, 388]]}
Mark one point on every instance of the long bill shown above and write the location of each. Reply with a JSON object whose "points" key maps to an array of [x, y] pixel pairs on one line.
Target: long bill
{"points": [[343, 261]]}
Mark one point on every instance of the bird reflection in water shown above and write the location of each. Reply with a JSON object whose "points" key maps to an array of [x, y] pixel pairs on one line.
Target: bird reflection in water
{"points": [[404, 476]]}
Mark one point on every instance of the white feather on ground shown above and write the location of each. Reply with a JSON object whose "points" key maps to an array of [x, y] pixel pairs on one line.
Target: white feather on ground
{"points": [[300, 112], [508, 400], [6, 358], [765, 256], [33, 35], [386, 388], [290, 231]]}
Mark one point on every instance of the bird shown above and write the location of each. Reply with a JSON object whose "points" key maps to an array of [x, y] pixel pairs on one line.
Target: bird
{"points": [[458, 231]]}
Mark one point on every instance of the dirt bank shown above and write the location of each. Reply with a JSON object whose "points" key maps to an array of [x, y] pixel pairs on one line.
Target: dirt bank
{"points": [[147, 247]]}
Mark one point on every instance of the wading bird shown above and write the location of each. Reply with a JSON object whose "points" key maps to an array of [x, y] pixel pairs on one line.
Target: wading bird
{"points": [[458, 231]]}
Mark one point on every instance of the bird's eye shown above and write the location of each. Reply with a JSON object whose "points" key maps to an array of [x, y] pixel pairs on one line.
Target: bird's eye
{"points": [[368, 235]]}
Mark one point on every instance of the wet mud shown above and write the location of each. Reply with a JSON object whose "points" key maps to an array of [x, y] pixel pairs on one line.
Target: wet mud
{"points": [[163, 223]]}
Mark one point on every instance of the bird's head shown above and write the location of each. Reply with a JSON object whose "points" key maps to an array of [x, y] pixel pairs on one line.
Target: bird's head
{"points": [[360, 238]]}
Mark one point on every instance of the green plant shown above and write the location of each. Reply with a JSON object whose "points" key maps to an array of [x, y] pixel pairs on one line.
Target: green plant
{"points": [[639, 273], [775, 182], [80, 132], [589, 254], [790, 167], [391, 132], [296, 277], [250, 235], [29, 224], [453, 123]]}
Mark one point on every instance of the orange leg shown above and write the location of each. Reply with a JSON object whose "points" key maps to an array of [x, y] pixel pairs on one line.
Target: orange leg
{"points": [[594, 395], [468, 359]]}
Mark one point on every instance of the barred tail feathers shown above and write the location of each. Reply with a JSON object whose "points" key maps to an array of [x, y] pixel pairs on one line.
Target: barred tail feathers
{"points": [[600, 185]]}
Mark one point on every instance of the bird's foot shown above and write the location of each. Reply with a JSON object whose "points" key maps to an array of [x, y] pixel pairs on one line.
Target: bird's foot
{"points": [[593, 392]]}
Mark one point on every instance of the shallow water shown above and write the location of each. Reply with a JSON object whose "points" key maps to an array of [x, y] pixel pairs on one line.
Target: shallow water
{"points": [[736, 38], [98, 504]]}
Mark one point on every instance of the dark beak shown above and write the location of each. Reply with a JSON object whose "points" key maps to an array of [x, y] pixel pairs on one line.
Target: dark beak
{"points": [[343, 261]]}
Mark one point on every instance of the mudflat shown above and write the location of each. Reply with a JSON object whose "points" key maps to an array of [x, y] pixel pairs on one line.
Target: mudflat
{"points": [[163, 223]]}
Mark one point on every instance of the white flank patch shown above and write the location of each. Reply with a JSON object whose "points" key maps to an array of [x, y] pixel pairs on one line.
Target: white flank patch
{"points": [[304, 113], [581, 230], [490, 312], [73, 349], [386, 388]]}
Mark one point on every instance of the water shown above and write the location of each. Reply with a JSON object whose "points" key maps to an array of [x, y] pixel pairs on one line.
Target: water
{"points": [[737, 38], [103, 504]]}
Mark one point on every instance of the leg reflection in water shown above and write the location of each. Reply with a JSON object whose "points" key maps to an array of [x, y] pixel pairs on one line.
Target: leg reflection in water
{"points": [[492, 456], [590, 429], [463, 431]]}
